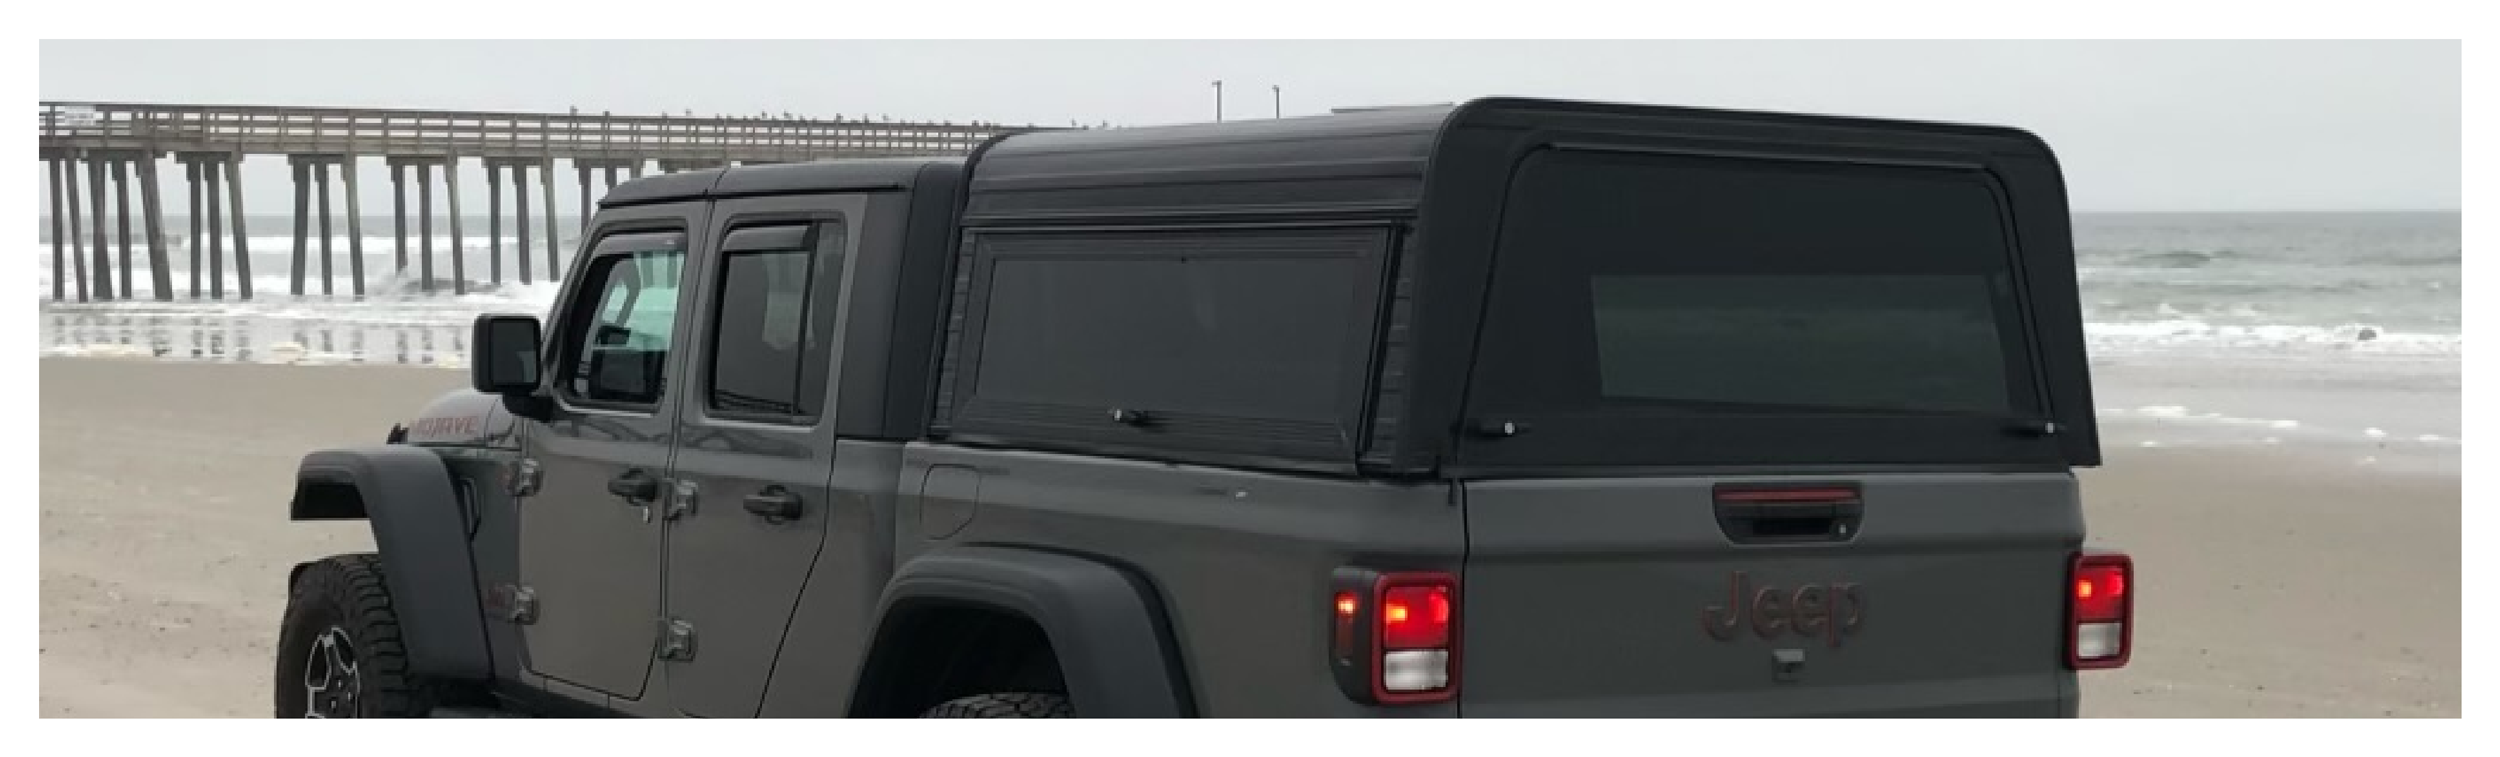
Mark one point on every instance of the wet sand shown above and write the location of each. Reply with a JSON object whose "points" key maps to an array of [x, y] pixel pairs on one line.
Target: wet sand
{"points": [[2285, 580]]}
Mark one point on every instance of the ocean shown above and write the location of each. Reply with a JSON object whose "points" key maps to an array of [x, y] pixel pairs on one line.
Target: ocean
{"points": [[2273, 282], [2249, 328]]}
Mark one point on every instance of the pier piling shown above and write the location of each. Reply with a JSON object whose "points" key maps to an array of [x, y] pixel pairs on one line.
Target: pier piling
{"points": [[191, 173], [103, 267], [321, 184], [583, 170], [121, 220], [52, 164], [152, 204], [77, 243], [355, 227], [521, 220], [494, 223], [451, 198], [547, 187], [399, 219], [425, 227], [234, 204], [216, 233], [303, 215]]}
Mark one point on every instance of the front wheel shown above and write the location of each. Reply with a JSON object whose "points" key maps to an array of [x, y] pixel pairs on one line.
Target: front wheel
{"points": [[340, 653]]}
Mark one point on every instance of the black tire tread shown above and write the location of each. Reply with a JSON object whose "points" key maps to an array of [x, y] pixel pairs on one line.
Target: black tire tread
{"points": [[1013, 704], [356, 583]]}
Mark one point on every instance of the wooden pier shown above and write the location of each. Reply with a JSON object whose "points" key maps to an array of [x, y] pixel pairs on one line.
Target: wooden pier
{"points": [[115, 142]]}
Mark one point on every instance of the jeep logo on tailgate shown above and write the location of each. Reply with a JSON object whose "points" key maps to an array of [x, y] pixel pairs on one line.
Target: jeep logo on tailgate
{"points": [[1827, 610]]}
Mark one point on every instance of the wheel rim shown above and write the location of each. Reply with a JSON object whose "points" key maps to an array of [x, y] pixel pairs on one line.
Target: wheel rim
{"points": [[330, 677]]}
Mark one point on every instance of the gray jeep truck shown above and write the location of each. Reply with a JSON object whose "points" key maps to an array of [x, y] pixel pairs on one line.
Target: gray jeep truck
{"points": [[1514, 408]]}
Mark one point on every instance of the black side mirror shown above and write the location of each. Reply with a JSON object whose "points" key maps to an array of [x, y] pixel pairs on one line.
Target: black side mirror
{"points": [[504, 357]]}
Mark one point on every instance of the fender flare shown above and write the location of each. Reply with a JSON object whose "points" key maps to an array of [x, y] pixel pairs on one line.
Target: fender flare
{"points": [[405, 493], [1115, 651]]}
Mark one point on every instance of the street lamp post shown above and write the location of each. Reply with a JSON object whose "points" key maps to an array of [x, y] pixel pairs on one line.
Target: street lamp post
{"points": [[1219, 101], [1279, 90]]}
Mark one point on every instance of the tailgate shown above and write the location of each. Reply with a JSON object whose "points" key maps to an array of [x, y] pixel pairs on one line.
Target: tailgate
{"points": [[1714, 597]]}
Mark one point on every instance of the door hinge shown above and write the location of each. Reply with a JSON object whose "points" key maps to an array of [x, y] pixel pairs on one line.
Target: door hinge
{"points": [[524, 481], [676, 640], [680, 501], [517, 605]]}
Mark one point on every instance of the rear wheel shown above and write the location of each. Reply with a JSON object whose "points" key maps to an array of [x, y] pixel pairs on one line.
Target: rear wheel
{"points": [[1017, 704], [340, 653]]}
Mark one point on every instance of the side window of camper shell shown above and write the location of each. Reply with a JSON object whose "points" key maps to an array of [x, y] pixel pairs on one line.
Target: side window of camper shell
{"points": [[1252, 341]]}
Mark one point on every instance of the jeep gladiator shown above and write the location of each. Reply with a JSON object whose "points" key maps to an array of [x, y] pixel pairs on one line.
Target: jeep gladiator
{"points": [[1516, 408]]}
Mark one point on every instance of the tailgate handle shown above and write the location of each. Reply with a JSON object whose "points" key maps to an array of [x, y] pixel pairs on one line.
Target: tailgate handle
{"points": [[1788, 514]]}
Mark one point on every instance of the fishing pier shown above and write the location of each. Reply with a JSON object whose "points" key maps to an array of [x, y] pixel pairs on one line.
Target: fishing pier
{"points": [[94, 151]]}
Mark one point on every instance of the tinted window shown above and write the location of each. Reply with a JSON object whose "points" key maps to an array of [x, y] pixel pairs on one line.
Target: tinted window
{"points": [[1681, 310], [618, 349], [769, 338], [1836, 342], [1232, 324]]}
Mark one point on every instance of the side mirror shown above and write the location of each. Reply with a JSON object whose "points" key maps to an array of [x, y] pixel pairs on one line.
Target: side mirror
{"points": [[504, 357]]}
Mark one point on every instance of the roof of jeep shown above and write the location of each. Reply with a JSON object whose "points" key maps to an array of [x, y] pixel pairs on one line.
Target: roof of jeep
{"points": [[1348, 161], [845, 175], [1372, 160]]}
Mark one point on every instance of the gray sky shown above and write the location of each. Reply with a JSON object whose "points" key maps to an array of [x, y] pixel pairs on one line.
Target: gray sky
{"points": [[2139, 125]]}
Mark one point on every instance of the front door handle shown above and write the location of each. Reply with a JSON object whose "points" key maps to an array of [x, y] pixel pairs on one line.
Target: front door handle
{"points": [[776, 504], [636, 486]]}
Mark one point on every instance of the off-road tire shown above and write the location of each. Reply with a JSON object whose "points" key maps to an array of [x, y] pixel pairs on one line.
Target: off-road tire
{"points": [[1015, 704], [342, 600]]}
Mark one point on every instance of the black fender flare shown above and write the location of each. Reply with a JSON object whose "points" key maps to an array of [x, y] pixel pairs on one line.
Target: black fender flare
{"points": [[1115, 650], [406, 495]]}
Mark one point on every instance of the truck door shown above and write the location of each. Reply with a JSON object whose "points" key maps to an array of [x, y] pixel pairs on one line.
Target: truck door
{"points": [[589, 528], [757, 442]]}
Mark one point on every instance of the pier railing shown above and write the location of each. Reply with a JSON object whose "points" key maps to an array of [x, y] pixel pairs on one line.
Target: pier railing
{"points": [[281, 130]]}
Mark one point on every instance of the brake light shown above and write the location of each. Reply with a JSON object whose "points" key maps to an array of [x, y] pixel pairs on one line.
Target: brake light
{"points": [[1809, 495], [1415, 617], [1394, 636], [2100, 611]]}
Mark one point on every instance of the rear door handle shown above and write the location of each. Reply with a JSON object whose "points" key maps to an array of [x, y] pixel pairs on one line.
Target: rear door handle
{"points": [[636, 486], [1788, 514], [775, 504]]}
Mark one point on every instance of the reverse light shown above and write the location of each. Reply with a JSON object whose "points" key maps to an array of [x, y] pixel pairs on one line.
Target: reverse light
{"points": [[2100, 610], [1394, 636]]}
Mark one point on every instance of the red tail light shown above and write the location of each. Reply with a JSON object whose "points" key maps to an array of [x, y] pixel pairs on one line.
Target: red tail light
{"points": [[1394, 636], [2100, 611], [1415, 617]]}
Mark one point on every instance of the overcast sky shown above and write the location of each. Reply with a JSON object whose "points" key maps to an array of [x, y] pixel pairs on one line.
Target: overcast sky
{"points": [[2139, 125]]}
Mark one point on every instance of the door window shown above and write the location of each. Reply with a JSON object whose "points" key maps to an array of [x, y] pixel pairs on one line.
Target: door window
{"points": [[617, 350], [769, 353]]}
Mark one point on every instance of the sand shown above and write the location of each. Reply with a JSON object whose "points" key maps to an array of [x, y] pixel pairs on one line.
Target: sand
{"points": [[165, 537], [2280, 581], [2281, 584]]}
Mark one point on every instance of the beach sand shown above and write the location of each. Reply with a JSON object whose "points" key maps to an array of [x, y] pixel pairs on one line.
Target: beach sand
{"points": [[165, 536], [2275, 581]]}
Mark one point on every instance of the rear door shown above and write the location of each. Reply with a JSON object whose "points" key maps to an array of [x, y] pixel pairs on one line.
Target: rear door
{"points": [[756, 447], [1663, 596], [1760, 437]]}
